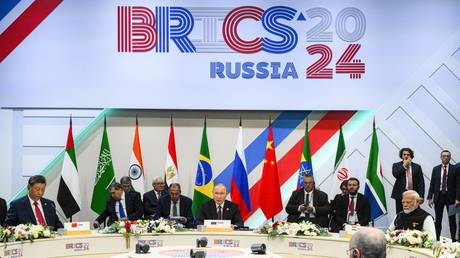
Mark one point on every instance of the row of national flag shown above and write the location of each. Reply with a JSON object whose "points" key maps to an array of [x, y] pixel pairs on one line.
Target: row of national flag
{"points": [[269, 198]]}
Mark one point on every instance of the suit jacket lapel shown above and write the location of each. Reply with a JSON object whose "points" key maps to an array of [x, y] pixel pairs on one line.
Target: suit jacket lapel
{"points": [[28, 207], [213, 210]]}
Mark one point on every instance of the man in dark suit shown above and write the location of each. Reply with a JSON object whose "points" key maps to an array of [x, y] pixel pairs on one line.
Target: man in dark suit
{"points": [[2, 211], [352, 208], [444, 190], [409, 176], [33, 208], [121, 206], [151, 198], [127, 185], [308, 204], [219, 208], [175, 205]]}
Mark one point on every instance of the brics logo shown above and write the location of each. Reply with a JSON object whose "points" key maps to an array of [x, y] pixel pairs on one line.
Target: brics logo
{"points": [[141, 29]]}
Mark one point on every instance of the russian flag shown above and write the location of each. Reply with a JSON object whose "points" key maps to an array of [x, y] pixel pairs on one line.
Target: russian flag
{"points": [[240, 188]]}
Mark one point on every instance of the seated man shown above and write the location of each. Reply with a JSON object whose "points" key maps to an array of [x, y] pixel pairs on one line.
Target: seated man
{"points": [[352, 208], [368, 243], [413, 217], [121, 206], [308, 204], [33, 208], [219, 208], [175, 205], [151, 197]]}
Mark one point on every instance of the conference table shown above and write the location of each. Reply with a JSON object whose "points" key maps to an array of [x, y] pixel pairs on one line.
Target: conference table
{"points": [[99, 245]]}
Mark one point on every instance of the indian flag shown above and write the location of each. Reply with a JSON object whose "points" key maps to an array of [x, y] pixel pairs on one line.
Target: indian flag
{"points": [[136, 167]]}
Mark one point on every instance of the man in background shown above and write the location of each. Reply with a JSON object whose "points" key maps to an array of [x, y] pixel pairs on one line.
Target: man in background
{"points": [[409, 176], [151, 197], [444, 191]]}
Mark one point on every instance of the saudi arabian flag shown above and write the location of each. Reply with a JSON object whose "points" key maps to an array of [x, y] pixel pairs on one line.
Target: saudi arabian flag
{"points": [[204, 183], [105, 175], [68, 195], [374, 189], [341, 172]]}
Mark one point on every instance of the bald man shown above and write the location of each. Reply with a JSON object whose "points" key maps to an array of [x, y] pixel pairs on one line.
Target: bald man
{"points": [[368, 243], [412, 217], [219, 208]]}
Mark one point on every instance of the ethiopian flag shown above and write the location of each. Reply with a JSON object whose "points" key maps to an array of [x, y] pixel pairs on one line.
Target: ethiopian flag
{"points": [[306, 167], [204, 182]]}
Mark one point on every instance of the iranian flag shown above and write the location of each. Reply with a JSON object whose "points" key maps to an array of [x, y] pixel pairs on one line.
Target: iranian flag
{"points": [[171, 168], [136, 167], [341, 172], [68, 195]]}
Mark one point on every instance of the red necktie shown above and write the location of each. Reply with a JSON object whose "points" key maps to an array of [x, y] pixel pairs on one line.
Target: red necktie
{"points": [[444, 179], [351, 206], [40, 218], [409, 179]]}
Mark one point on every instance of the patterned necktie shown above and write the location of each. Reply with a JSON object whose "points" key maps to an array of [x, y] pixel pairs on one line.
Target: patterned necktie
{"points": [[121, 210], [409, 178], [444, 178], [174, 209], [38, 212], [219, 212], [351, 206]]}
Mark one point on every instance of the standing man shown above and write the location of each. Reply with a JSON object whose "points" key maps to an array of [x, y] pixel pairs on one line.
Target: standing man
{"points": [[352, 208], [308, 204], [151, 197], [175, 205], [2, 211], [33, 208], [121, 206], [444, 191], [219, 208], [409, 176]]}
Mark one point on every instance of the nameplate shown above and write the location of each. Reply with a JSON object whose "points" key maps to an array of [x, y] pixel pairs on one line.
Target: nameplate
{"points": [[218, 226], [77, 225]]}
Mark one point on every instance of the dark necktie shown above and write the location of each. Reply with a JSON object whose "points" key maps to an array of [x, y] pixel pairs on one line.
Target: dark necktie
{"points": [[174, 209], [351, 206], [444, 178], [121, 210], [38, 212], [307, 199], [219, 212]]}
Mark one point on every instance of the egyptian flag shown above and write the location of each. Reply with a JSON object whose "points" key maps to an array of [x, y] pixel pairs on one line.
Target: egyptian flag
{"points": [[171, 168], [240, 188], [136, 167], [69, 186]]}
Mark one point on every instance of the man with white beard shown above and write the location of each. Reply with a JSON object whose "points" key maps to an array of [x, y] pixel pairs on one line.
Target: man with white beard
{"points": [[413, 217]]}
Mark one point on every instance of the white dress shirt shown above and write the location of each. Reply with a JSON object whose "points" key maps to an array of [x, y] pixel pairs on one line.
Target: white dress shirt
{"points": [[39, 206], [117, 206], [171, 208]]}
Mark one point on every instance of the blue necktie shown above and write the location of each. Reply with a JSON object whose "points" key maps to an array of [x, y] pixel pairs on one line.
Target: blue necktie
{"points": [[121, 210]]}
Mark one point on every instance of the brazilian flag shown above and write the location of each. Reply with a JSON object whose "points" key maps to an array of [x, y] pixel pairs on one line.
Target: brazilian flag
{"points": [[204, 182]]}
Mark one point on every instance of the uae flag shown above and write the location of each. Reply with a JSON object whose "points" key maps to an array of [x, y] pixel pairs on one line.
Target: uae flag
{"points": [[341, 172], [171, 168], [136, 167], [269, 191], [69, 187]]}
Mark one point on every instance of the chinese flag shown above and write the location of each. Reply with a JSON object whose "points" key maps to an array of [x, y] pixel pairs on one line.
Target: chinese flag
{"points": [[269, 190]]}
